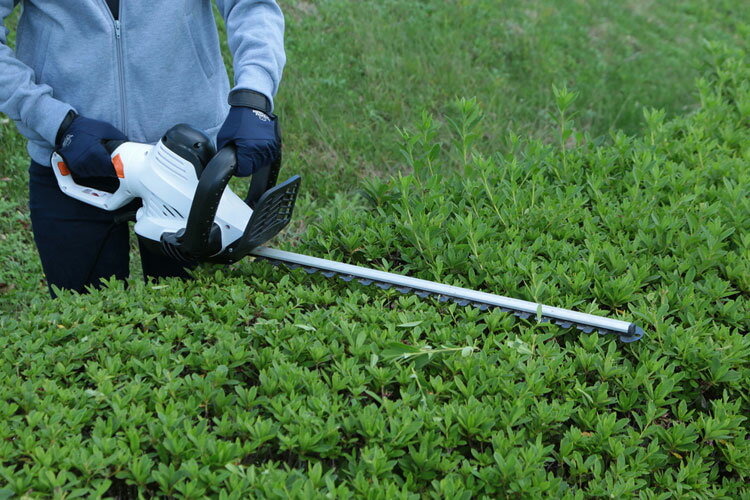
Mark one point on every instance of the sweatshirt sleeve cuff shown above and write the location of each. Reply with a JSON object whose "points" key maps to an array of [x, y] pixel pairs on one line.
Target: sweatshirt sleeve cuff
{"points": [[46, 116], [255, 78]]}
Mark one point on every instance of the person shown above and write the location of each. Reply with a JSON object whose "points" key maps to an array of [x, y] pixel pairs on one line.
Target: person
{"points": [[87, 72]]}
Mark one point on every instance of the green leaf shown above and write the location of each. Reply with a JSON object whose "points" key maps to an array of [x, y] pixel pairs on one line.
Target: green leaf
{"points": [[411, 324], [397, 349], [519, 346], [421, 361]]}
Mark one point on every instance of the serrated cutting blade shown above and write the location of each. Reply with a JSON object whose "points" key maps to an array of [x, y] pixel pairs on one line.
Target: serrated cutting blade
{"points": [[566, 318]]}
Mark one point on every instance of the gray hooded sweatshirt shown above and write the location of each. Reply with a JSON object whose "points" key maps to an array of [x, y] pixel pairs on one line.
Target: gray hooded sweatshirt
{"points": [[159, 64]]}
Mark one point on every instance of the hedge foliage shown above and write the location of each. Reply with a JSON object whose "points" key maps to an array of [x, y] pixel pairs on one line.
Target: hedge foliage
{"points": [[254, 381]]}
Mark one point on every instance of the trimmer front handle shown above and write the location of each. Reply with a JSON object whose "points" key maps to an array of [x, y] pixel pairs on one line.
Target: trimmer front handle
{"points": [[202, 237]]}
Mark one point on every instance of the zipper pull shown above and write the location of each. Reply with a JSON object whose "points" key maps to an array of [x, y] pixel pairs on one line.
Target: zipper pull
{"points": [[117, 28]]}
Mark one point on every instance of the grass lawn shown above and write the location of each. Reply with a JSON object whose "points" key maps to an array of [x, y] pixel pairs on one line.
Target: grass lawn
{"points": [[589, 155]]}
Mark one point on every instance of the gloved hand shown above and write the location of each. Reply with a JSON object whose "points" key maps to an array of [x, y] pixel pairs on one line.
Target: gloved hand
{"points": [[253, 131], [81, 144]]}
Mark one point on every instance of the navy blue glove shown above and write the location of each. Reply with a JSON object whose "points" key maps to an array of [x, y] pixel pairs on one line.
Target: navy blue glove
{"points": [[81, 145], [256, 136]]}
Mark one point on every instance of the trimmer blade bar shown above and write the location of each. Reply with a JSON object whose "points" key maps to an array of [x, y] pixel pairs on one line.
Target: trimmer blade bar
{"points": [[627, 332]]}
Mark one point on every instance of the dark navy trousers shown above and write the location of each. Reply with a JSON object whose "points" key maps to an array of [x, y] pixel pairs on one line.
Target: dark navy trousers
{"points": [[80, 244]]}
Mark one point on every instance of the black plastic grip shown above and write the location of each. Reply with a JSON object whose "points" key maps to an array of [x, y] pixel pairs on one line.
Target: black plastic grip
{"points": [[263, 179], [111, 146], [199, 238]]}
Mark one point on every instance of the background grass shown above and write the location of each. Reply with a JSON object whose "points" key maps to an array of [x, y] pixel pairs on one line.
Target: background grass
{"points": [[358, 70], [257, 381]]}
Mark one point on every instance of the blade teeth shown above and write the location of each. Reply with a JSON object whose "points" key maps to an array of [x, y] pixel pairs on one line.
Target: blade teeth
{"points": [[462, 302], [293, 267], [404, 289], [443, 298], [584, 328], [346, 277], [522, 314], [365, 282], [481, 306], [383, 286], [422, 293], [273, 262], [328, 274], [638, 334], [311, 270]]}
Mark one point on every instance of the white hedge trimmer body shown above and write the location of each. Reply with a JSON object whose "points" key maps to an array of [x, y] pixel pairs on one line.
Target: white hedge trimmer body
{"points": [[165, 183]]}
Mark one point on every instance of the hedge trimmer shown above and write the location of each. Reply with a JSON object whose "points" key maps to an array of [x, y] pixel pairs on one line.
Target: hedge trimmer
{"points": [[191, 214]]}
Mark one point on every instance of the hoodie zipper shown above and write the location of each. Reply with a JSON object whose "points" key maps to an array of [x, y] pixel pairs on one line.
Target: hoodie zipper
{"points": [[120, 63], [121, 74]]}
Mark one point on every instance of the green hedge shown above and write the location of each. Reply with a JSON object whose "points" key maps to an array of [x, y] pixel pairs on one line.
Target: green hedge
{"points": [[254, 381]]}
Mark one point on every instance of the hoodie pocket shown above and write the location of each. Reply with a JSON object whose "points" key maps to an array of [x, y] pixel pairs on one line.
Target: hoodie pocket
{"points": [[32, 47], [200, 40], [41, 62]]}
